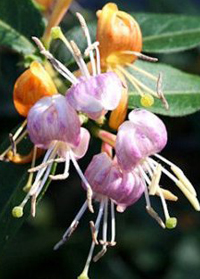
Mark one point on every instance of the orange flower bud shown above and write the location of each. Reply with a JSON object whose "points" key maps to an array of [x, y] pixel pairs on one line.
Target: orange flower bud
{"points": [[31, 86], [118, 115], [118, 33]]}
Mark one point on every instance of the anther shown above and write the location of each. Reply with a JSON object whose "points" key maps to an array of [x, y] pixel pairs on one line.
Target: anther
{"points": [[94, 232]]}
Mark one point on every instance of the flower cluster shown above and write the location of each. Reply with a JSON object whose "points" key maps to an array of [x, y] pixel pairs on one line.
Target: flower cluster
{"points": [[129, 165]]}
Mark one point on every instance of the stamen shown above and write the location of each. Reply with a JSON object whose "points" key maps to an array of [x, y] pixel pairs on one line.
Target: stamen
{"points": [[131, 77], [166, 193], [160, 92], [83, 66], [13, 144], [66, 170], [30, 178], [55, 63], [179, 173], [140, 55], [72, 227], [149, 208], [113, 226], [147, 74], [94, 46], [45, 164], [97, 224], [20, 138], [94, 233], [155, 180], [105, 229], [58, 34], [192, 199], [87, 35], [80, 173], [33, 205]]}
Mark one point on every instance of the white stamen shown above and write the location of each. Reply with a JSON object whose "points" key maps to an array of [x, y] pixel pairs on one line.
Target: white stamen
{"points": [[149, 208], [113, 225], [105, 228], [164, 204], [97, 224], [55, 63], [82, 65], [87, 35], [147, 74], [66, 170], [193, 200], [131, 77], [155, 180], [72, 227], [87, 185]]}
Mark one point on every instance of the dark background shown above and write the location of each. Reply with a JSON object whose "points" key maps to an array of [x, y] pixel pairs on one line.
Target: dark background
{"points": [[144, 250]]}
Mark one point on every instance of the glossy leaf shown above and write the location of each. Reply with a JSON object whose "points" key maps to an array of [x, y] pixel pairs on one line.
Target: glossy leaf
{"points": [[164, 33], [19, 20], [181, 90]]}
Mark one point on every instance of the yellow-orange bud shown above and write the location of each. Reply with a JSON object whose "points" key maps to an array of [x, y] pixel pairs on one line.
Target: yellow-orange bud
{"points": [[118, 115], [117, 33], [31, 86]]}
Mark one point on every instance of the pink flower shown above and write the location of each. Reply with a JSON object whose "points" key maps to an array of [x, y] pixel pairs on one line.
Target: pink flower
{"points": [[143, 135], [54, 125], [109, 185], [96, 95]]}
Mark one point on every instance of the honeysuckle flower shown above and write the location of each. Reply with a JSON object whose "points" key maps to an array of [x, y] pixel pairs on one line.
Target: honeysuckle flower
{"points": [[30, 86], [140, 138], [92, 94], [54, 125], [110, 186], [120, 44], [97, 95]]}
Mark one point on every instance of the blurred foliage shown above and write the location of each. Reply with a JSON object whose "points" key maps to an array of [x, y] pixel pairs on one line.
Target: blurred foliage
{"points": [[143, 249]]}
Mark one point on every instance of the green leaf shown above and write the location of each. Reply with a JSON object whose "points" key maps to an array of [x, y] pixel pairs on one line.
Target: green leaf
{"points": [[19, 20], [165, 33], [9, 37], [181, 90]]}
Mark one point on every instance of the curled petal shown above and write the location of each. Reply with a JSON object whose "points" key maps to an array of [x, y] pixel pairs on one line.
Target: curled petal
{"points": [[150, 125], [82, 148], [96, 95], [52, 118], [143, 136], [106, 178]]}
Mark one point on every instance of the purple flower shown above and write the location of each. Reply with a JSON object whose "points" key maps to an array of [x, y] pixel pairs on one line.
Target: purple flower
{"points": [[107, 179], [145, 135], [54, 125], [95, 95], [110, 186]]}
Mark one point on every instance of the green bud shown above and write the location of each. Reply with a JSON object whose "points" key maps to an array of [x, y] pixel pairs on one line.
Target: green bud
{"points": [[17, 211], [171, 223]]}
